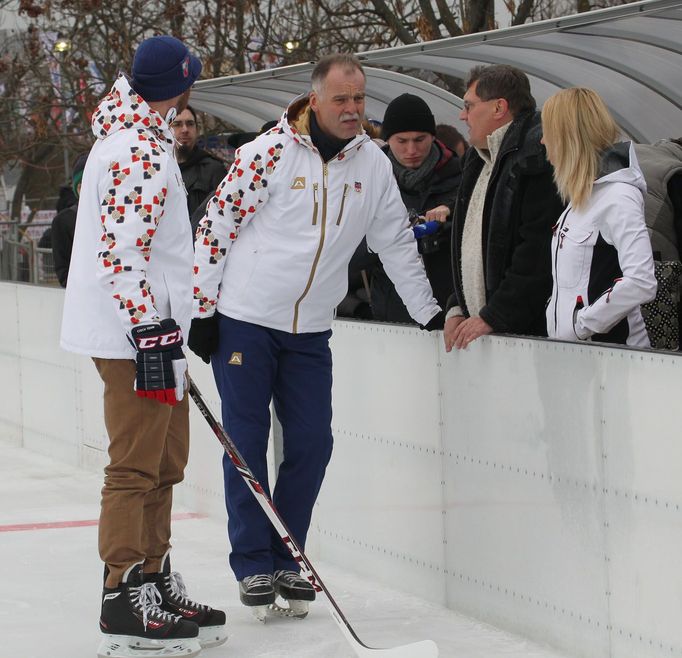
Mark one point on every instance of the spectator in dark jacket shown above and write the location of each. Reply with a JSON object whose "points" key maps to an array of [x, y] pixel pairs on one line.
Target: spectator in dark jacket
{"points": [[201, 171], [452, 138], [64, 225], [428, 175], [504, 213]]}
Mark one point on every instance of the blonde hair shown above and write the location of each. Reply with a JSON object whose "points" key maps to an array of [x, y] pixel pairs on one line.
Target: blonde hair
{"points": [[577, 128]]}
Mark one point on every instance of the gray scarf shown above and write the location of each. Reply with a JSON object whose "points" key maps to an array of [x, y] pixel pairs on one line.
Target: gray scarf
{"points": [[411, 180]]}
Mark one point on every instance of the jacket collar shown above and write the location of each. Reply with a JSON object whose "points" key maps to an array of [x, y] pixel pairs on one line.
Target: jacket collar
{"points": [[124, 109]]}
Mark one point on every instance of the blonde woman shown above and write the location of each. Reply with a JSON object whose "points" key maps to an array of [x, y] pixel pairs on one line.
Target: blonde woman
{"points": [[602, 265]]}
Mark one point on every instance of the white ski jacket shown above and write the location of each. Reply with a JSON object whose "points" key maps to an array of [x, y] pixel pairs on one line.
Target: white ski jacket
{"points": [[132, 253], [602, 253], [298, 221]]}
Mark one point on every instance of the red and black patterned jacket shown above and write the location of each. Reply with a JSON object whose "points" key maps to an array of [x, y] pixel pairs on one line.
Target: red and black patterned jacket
{"points": [[132, 255]]}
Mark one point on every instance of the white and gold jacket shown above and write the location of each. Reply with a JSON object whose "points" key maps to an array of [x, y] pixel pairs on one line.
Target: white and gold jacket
{"points": [[274, 246]]}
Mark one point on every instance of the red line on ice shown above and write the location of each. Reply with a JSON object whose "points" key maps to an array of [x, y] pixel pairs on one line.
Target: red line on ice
{"points": [[51, 525]]}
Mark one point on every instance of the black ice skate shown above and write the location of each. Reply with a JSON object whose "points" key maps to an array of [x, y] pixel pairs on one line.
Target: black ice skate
{"points": [[175, 600], [133, 624], [257, 593], [296, 591]]}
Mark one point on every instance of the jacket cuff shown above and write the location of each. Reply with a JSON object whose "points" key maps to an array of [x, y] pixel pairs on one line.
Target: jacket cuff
{"points": [[454, 312], [495, 324]]}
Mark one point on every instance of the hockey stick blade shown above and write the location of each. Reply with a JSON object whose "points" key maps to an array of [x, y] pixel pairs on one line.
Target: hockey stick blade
{"points": [[424, 649]]}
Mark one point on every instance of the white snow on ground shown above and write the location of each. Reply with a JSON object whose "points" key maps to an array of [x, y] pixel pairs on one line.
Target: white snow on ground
{"points": [[51, 580]]}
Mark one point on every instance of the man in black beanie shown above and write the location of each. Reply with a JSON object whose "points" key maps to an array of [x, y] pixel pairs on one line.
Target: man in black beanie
{"points": [[127, 306], [428, 176]]}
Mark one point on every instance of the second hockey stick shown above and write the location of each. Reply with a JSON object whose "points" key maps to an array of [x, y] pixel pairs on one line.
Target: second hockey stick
{"points": [[423, 649]]}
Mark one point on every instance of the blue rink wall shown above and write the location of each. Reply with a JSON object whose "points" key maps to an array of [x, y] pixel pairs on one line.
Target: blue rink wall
{"points": [[532, 484]]}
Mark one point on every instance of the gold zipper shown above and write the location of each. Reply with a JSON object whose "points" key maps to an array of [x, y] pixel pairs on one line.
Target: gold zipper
{"points": [[323, 226], [315, 204], [343, 203]]}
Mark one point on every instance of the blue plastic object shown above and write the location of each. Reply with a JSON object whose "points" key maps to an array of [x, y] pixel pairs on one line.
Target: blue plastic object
{"points": [[427, 228]]}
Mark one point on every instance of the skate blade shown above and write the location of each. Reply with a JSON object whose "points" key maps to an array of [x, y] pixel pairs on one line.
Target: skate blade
{"points": [[212, 636], [259, 612], [129, 646], [294, 609]]}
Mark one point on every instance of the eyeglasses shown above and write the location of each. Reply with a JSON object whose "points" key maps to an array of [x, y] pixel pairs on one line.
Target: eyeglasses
{"points": [[467, 105], [179, 124]]}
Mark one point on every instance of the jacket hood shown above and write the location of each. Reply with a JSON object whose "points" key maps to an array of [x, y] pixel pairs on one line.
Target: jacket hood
{"points": [[125, 109], [619, 165], [295, 123]]}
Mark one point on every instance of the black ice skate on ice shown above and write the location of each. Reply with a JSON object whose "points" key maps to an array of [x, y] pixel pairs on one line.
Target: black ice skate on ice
{"points": [[176, 601], [133, 624], [257, 593], [296, 591]]}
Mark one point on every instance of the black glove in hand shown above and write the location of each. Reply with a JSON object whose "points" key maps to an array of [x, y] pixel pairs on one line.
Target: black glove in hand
{"points": [[160, 363], [436, 322], [203, 337]]}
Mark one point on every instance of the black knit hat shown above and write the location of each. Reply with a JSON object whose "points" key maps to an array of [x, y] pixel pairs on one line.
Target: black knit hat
{"points": [[407, 113]]}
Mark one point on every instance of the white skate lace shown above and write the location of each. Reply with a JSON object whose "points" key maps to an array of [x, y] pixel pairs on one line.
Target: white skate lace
{"points": [[179, 591], [289, 577], [259, 580], [148, 599]]}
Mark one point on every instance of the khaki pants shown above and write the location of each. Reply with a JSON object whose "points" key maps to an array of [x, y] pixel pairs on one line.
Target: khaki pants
{"points": [[148, 451]]}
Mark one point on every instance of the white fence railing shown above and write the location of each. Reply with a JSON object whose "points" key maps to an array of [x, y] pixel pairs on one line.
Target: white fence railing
{"points": [[532, 484]]}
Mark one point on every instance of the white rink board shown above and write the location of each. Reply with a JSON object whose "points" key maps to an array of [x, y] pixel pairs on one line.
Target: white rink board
{"points": [[532, 484]]}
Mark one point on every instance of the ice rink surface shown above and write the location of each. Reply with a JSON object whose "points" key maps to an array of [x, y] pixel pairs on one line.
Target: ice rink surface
{"points": [[51, 583]]}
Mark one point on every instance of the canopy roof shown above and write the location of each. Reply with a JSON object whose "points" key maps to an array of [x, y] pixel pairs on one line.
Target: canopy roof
{"points": [[631, 54]]}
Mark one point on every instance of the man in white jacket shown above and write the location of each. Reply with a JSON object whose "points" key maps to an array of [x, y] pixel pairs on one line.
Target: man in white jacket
{"points": [[271, 264], [128, 303]]}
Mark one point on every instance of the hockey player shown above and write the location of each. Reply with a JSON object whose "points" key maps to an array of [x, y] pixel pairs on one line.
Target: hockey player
{"points": [[128, 305], [275, 244]]}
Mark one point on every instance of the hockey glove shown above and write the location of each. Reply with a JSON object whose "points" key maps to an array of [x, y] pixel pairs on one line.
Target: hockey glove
{"points": [[203, 337], [161, 364]]}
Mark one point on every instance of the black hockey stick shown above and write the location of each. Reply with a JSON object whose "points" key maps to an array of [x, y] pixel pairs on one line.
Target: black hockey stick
{"points": [[423, 649]]}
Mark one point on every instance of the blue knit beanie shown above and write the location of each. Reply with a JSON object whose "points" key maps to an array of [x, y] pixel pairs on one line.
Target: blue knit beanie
{"points": [[163, 68]]}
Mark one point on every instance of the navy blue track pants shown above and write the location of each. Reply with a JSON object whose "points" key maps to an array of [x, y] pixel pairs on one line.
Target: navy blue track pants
{"points": [[253, 366]]}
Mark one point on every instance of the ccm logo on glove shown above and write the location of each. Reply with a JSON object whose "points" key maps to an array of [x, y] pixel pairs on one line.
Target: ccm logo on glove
{"points": [[164, 340]]}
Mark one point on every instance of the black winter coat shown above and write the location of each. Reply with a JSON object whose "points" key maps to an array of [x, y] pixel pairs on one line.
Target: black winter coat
{"points": [[63, 230], [201, 173], [440, 190], [521, 206]]}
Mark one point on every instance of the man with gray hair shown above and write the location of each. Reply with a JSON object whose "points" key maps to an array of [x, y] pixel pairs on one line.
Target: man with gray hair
{"points": [[504, 213], [271, 265]]}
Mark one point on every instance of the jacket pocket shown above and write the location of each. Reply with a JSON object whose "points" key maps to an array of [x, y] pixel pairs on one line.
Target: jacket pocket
{"points": [[343, 203], [573, 250], [315, 204]]}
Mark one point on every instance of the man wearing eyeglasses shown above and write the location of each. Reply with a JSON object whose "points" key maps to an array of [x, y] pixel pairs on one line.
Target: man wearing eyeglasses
{"points": [[504, 212], [201, 171]]}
